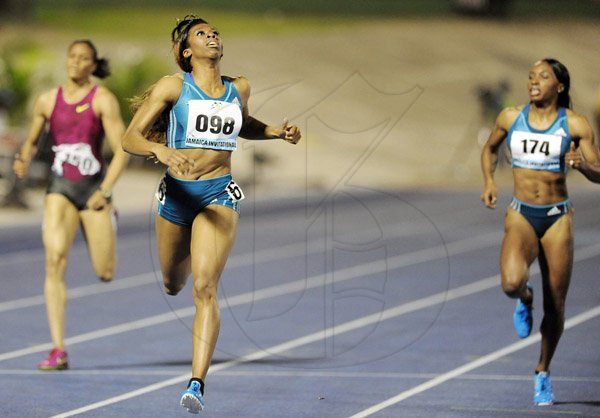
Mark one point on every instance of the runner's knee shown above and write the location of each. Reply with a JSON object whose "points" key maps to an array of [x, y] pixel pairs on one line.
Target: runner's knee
{"points": [[513, 285], [173, 287], [105, 272], [554, 307], [55, 261], [204, 292]]}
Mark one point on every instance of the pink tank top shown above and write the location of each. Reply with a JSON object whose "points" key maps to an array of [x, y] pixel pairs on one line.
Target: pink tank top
{"points": [[78, 135]]}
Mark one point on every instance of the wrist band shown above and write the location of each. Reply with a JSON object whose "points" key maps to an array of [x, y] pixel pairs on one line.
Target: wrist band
{"points": [[106, 193]]}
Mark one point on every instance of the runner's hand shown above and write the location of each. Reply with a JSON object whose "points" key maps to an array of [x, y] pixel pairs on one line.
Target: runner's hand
{"points": [[97, 201], [289, 133], [573, 158], [488, 197], [178, 162], [20, 166]]}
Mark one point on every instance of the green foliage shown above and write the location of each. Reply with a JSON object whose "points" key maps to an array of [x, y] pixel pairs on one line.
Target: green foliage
{"points": [[23, 68], [132, 79], [127, 23], [27, 68], [292, 7]]}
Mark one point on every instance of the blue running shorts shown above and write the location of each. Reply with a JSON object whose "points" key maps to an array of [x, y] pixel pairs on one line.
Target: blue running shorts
{"points": [[179, 201], [541, 217]]}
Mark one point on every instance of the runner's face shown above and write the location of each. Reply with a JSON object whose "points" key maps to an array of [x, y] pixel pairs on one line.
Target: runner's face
{"points": [[203, 41], [80, 62], [543, 84]]}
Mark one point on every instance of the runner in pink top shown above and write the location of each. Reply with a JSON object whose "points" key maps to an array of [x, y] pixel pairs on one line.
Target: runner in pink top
{"points": [[78, 115], [78, 136]]}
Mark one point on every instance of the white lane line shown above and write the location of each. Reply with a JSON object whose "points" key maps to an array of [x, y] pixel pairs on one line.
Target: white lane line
{"points": [[105, 332], [391, 375], [236, 261], [131, 371], [482, 361], [405, 228], [125, 396], [300, 285], [301, 341], [83, 291], [456, 293], [37, 255], [505, 412], [128, 371]]}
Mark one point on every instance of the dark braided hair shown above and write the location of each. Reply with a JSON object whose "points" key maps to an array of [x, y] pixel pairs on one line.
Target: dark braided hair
{"points": [[563, 77], [158, 130], [102, 69], [179, 39]]}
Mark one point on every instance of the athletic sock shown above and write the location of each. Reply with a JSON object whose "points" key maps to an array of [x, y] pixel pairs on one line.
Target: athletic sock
{"points": [[195, 379]]}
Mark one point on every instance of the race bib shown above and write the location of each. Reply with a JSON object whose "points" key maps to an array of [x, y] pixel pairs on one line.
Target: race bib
{"points": [[78, 155], [536, 151], [213, 124], [234, 191], [161, 191]]}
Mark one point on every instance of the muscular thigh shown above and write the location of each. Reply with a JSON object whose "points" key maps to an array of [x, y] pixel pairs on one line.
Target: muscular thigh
{"points": [[213, 235], [61, 221], [173, 243], [520, 243], [557, 245], [98, 225], [99, 228]]}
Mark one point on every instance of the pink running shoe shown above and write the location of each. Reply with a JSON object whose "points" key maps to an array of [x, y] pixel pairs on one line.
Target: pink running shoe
{"points": [[57, 360]]}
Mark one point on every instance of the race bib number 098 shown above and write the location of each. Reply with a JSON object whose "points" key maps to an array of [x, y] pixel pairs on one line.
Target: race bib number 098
{"points": [[213, 124]]}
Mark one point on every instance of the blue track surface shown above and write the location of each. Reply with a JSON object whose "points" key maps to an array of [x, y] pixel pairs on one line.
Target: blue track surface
{"points": [[360, 303]]}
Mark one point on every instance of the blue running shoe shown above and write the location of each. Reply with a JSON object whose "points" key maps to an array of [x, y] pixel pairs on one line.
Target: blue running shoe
{"points": [[543, 394], [192, 398], [523, 317]]}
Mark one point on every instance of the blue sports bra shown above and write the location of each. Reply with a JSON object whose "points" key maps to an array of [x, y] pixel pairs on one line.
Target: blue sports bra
{"points": [[539, 149], [200, 121]]}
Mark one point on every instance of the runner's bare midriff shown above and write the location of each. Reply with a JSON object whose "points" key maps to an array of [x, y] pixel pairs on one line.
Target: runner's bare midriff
{"points": [[538, 187], [208, 163]]}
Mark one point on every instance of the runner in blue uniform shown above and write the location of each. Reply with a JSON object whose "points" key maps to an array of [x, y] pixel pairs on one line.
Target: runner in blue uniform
{"points": [[545, 138], [202, 113]]}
